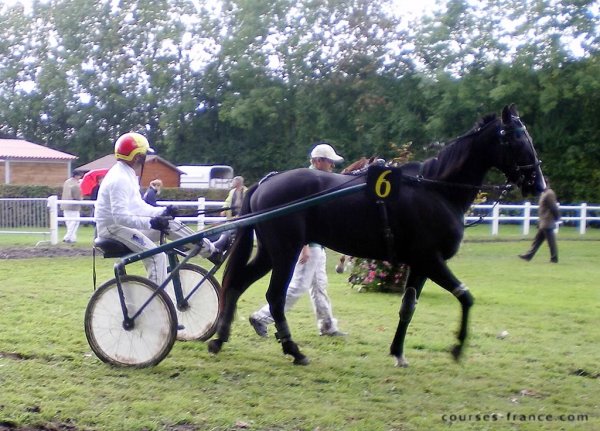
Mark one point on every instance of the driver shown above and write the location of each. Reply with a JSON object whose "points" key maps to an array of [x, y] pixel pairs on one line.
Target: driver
{"points": [[121, 213]]}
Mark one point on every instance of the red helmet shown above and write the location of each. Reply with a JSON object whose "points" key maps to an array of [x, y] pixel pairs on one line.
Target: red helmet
{"points": [[131, 144]]}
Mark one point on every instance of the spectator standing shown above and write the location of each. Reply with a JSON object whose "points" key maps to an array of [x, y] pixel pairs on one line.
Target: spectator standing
{"points": [[235, 197], [310, 272], [548, 216], [153, 191], [94, 192], [71, 212]]}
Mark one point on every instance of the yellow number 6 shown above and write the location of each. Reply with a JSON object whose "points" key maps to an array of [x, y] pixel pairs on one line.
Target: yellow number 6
{"points": [[383, 187]]}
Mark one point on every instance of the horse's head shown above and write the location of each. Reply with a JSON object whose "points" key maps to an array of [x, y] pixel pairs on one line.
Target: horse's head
{"points": [[519, 163]]}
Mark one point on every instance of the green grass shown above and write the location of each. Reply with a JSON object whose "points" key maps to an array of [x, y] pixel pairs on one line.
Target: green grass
{"points": [[85, 235], [48, 374]]}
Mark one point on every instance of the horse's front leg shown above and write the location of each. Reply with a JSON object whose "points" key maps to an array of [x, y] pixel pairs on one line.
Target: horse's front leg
{"points": [[461, 292], [409, 303], [444, 278]]}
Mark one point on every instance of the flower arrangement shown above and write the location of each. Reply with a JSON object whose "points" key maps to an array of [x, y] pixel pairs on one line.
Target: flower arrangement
{"points": [[378, 276]]}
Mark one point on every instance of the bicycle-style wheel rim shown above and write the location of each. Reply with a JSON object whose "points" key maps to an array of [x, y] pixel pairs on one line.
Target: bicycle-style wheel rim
{"points": [[153, 332], [198, 320]]}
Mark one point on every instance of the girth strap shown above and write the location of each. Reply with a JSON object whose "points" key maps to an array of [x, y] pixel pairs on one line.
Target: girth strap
{"points": [[387, 231]]}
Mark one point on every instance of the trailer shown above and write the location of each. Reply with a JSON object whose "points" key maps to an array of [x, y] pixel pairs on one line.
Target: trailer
{"points": [[206, 176]]}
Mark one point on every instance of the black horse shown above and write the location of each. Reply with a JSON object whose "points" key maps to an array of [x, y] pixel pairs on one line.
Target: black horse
{"points": [[426, 223]]}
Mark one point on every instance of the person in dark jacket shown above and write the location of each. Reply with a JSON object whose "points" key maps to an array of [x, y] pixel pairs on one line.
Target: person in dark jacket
{"points": [[153, 191], [548, 216], [94, 192]]}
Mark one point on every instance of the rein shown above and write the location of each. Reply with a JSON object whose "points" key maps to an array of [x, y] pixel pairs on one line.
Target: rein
{"points": [[420, 179], [504, 192], [503, 189], [484, 187]]}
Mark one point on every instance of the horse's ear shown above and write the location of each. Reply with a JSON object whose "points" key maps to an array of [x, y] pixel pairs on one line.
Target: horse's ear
{"points": [[506, 114], [513, 110]]}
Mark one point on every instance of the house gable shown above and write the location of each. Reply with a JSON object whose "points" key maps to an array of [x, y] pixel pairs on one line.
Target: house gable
{"points": [[26, 163]]}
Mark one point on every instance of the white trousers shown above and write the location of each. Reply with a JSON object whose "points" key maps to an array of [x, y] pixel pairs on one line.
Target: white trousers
{"points": [[310, 276], [142, 240], [71, 225]]}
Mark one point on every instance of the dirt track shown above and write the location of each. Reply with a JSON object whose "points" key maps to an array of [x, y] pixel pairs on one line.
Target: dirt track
{"points": [[7, 426], [43, 251]]}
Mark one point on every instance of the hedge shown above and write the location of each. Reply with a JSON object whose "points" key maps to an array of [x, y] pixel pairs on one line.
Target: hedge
{"points": [[168, 194]]}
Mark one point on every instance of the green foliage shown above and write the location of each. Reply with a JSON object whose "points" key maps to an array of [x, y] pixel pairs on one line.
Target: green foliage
{"points": [[183, 194], [16, 191], [180, 194], [254, 83]]}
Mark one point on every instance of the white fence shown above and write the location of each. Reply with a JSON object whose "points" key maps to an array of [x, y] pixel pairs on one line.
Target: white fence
{"points": [[46, 221], [525, 214], [43, 217]]}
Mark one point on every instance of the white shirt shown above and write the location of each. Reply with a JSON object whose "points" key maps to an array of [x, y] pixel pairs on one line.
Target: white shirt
{"points": [[120, 202]]}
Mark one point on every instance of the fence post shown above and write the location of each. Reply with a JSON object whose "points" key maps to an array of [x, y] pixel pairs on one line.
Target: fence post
{"points": [[495, 219], [53, 218], [582, 218], [526, 217], [201, 214]]}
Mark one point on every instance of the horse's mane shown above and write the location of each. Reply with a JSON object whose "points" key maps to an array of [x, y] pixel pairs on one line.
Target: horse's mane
{"points": [[452, 154], [441, 165]]}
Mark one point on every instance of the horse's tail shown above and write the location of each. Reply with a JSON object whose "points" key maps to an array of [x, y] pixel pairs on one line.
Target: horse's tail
{"points": [[241, 249], [239, 273]]}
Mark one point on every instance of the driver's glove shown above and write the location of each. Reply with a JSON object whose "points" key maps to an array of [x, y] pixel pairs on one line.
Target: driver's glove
{"points": [[159, 223]]}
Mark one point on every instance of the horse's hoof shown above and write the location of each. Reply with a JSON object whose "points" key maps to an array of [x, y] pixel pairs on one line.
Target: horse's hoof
{"points": [[401, 362], [214, 346], [301, 361], [456, 352]]}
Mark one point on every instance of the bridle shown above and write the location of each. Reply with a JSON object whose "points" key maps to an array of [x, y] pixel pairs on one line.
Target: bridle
{"points": [[519, 170]]}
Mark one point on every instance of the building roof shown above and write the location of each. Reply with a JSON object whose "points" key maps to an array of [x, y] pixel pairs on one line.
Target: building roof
{"points": [[21, 149], [105, 162], [109, 160]]}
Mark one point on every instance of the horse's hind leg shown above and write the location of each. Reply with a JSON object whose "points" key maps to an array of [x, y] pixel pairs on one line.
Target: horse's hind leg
{"points": [[414, 286], [231, 291], [276, 297]]}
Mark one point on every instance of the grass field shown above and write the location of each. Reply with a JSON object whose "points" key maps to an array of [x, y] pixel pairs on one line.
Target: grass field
{"points": [[543, 375]]}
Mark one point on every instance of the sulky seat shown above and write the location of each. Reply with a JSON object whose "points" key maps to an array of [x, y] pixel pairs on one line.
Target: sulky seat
{"points": [[111, 247]]}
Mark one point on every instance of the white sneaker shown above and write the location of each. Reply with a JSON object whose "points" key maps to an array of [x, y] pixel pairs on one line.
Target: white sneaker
{"points": [[207, 249]]}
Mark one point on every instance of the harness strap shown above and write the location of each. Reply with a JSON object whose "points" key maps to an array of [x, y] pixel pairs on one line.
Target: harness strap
{"points": [[266, 177], [94, 266], [387, 231]]}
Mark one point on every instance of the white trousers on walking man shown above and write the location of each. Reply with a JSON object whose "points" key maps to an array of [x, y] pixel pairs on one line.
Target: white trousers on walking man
{"points": [[71, 225], [308, 276]]}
